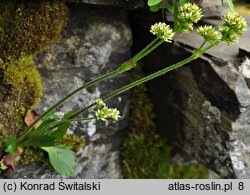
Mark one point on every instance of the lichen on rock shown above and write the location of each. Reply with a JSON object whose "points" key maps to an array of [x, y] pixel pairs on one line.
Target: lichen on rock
{"points": [[210, 113]]}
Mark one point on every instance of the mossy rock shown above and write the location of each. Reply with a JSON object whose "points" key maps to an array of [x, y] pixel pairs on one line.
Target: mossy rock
{"points": [[29, 26], [74, 142], [21, 89]]}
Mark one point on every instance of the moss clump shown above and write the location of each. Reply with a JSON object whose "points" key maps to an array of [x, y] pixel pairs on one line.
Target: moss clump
{"points": [[21, 89], [23, 78], [74, 142], [145, 153], [32, 156], [29, 26]]}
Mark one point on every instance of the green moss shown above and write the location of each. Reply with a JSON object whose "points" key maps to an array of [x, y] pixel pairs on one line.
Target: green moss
{"points": [[74, 142], [22, 76], [21, 88], [32, 156], [29, 26], [145, 153]]}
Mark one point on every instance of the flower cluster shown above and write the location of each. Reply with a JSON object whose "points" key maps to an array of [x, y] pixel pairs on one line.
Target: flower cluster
{"points": [[189, 13], [233, 27], [209, 34], [103, 112], [162, 31]]}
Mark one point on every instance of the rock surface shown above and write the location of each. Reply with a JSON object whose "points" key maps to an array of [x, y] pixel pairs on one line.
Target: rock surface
{"points": [[95, 41], [213, 9], [127, 4]]}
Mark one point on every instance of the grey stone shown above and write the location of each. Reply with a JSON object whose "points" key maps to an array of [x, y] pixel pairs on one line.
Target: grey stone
{"points": [[94, 42], [128, 4], [213, 9]]}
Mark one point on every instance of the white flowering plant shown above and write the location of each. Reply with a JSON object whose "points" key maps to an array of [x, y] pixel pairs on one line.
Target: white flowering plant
{"points": [[156, 5], [47, 130]]}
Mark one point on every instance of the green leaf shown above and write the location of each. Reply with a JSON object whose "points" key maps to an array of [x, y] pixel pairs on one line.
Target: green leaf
{"points": [[40, 130], [222, 2], [176, 12], [60, 131], [62, 128], [154, 2], [169, 7], [155, 8], [231, 5], [46, 135], [67, 115], [49, 119], [37, 140], [127, 66], [62, 159], [10, 145], [182, 2]]}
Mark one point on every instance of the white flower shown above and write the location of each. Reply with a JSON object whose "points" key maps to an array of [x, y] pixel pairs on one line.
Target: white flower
{"points": [[189, 13], [235, 21], [162, 31], [209, 34], [233, 27], [100, 103], [103, 112]]}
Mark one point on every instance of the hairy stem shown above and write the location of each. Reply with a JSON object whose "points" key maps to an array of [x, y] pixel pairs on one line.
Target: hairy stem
{"points": [[194, 56], [144, 54], [204, 42], [135, 58]]}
